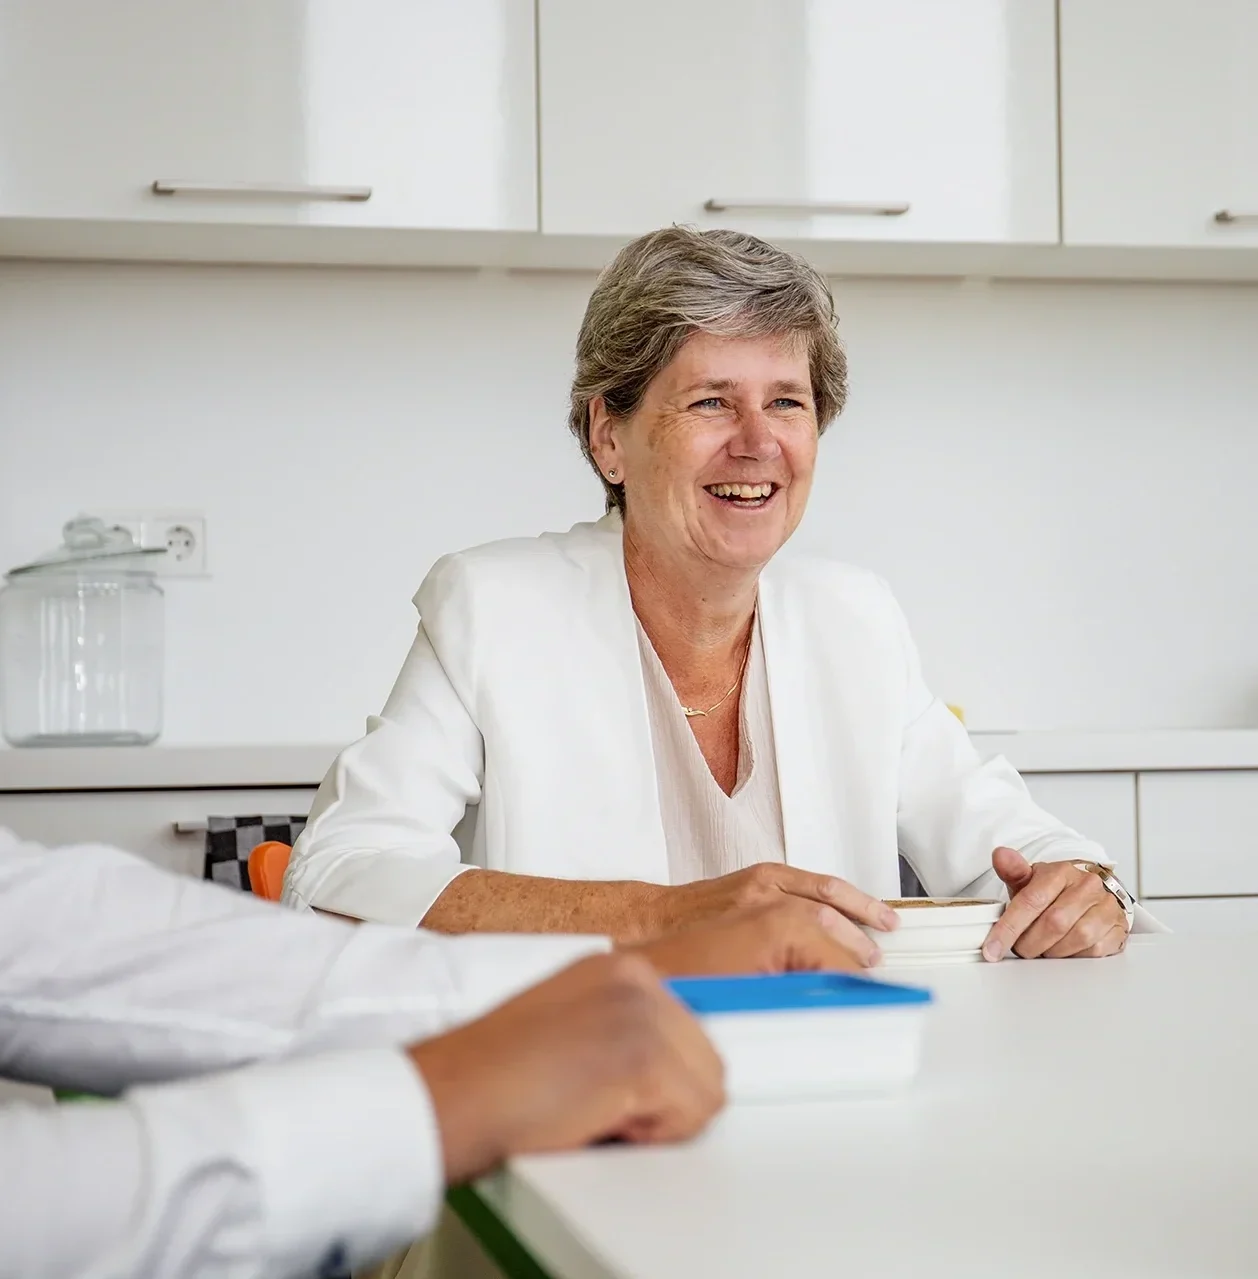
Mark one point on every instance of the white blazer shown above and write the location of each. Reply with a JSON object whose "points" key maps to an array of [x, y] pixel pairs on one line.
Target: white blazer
{"points": [[520, 717]]}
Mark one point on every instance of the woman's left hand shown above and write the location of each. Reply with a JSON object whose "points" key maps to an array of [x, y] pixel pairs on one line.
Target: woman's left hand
{"points": [[1055, 911]]}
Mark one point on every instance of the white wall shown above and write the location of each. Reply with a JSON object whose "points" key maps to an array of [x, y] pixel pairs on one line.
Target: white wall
{"points": [[1060, 480]]}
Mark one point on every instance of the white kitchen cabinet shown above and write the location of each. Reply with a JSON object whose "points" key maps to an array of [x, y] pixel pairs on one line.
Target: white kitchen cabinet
{"points": [[775, 109], [1101, 806], [1159, 120], [144, 822], [1207, 916], [1199, 833], [395, 113]]}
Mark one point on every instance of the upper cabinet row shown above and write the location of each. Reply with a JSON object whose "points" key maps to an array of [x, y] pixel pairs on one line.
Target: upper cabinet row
{"points": [[402, 113], [835, 119], [1159, 122], [825, 119]]}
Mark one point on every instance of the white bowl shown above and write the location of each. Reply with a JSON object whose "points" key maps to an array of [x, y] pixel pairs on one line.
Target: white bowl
{"points": [[937, 930]]}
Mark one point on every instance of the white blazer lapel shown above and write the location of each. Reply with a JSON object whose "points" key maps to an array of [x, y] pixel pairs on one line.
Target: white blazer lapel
{"points": [[812, 804], [614, 707]]}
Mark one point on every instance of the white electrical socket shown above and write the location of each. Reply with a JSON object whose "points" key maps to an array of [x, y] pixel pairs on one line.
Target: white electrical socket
{"points": [[180, 533]]}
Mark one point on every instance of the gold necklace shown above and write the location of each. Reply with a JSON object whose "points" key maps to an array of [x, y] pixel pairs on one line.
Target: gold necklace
{"points": [[692, 712]]}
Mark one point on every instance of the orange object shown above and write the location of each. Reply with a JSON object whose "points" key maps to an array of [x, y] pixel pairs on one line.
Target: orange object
{"points": [[267, 864]]}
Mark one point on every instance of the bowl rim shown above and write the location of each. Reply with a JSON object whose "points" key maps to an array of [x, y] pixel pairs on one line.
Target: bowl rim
{"points": [[957, 913]]}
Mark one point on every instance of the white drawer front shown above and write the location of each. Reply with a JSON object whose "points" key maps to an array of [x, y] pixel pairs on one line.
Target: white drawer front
{"points": [[1100, 806], [1207, 916], [142, 822], [1199, 833]]}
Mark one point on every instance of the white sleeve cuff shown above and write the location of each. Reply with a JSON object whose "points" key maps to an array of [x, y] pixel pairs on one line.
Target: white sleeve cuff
{"points": [[349, 1157], [487, 969], [1146, 922], [342, 1152], [385, 886]]}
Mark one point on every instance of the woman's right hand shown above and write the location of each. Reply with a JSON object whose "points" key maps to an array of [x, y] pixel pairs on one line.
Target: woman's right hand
{"points": [[842, 906]]}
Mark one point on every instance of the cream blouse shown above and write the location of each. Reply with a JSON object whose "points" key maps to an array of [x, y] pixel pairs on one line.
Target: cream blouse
{"points": [[707, 832]]}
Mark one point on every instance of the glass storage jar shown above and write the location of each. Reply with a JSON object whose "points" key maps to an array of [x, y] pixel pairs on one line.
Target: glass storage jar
{"points": [[82, 645]]}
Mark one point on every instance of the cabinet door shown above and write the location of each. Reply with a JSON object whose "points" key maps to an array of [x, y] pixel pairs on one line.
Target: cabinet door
{"points": [[650, 109], [1199, 833], [159, 825], [1100, 806], [1159, 117], [1207, 916], [427, 104]]}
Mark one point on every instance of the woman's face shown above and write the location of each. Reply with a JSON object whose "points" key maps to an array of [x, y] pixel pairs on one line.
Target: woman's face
{"points": [[717, 461]]}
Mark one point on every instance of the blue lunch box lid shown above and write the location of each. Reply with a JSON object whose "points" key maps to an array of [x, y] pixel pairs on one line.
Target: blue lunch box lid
{"points": [[783, 992]]}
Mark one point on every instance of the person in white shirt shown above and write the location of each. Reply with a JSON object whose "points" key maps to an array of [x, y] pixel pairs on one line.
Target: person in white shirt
{"points": [[328, 1080]]}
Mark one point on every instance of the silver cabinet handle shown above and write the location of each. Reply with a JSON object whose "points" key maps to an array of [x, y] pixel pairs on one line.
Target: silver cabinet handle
{"points": [[1231, 215], [197, 826], [889, 210], [260, 190]]}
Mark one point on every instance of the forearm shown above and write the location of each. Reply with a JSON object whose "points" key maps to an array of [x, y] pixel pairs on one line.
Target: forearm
{"points": [[500, 902]]}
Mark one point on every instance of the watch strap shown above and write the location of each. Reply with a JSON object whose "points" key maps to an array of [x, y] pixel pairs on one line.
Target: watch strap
{"points": [[1114, 886]]}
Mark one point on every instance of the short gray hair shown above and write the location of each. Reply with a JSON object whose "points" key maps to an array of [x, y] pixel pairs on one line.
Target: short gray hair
{"points": [[672, 283]]}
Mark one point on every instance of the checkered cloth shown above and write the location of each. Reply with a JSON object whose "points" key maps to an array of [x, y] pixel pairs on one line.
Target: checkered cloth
{"points": [[230, 840]]}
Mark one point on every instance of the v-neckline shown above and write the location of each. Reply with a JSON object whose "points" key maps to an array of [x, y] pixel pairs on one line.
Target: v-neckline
{"points": [[681, 722]]}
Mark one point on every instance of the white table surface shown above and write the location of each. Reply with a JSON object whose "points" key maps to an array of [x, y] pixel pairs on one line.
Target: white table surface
{"points": [[1072, 1119]]}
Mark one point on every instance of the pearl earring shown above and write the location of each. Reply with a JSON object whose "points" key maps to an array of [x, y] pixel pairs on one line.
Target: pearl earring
{"points": [[611, 475]]}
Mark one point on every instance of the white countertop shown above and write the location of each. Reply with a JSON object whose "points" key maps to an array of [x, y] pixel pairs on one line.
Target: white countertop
{"points": [[182, 767], [1079, 1117], [163, 767], [1134, 752]]}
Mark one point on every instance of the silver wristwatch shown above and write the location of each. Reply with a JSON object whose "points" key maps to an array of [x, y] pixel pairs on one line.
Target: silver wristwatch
{"points": [[1113, 886]]}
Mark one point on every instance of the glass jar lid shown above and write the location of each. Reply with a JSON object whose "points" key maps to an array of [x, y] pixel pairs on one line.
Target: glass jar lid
{"points": [[88, 540]]}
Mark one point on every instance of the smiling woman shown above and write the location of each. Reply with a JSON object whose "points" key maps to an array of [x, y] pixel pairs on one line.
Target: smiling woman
{"points": [[670, 287], [658, 718], [727, 427]]}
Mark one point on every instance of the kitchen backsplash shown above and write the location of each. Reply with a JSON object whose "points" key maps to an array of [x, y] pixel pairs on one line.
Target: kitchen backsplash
{"points": [[1059, 480]]}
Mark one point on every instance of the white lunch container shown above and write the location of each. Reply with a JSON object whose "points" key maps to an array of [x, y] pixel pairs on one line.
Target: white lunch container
{"points": [[807, 1036]]}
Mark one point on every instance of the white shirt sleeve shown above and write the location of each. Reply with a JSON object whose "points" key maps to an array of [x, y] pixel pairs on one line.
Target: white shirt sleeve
{"points": [[281, 1169], [955, 809], [113, 973], [379, 842]]}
